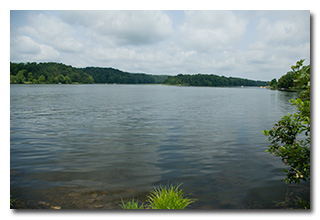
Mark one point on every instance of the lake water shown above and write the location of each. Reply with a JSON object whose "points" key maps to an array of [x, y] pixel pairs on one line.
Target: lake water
{"points": [[89, 146]]}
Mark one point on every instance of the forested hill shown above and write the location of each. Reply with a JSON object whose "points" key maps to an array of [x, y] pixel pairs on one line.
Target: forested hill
{"points": [[110, 75], [49, 73], [210, 80], [53, 73]]}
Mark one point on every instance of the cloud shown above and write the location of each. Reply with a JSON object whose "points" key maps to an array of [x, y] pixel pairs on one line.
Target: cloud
{"points": [[290, 31], [53, 32], [211, 30], [124, 27], [251, 44], [25, 45], [25, 49]]}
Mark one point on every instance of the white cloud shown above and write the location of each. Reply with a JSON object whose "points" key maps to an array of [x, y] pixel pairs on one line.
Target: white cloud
{"points": [[24, 44], [282, 39], [47, 53], [211, 30], [53, 32], [289, 32], [23, 48]]}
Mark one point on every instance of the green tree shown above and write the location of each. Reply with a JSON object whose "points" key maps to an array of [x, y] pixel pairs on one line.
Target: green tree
{"points": [[20, 76], [30, 77], [273, 84], [35, 81], [13, 79], [42, 79], [290, 137], [50, 79], [60, 79], [286, 81], [68, 80]]}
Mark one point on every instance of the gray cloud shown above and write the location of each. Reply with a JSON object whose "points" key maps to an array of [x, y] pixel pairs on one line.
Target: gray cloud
{"points": [[124, 27]]}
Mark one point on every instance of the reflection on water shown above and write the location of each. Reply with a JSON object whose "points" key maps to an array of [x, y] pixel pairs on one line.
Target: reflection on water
{"points": [[88, 146]]}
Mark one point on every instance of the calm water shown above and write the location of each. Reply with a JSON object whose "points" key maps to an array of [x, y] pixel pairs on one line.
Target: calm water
{"points": [[88, 146]]}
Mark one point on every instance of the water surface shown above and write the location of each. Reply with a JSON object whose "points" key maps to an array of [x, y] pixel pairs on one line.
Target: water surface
{"points": [[88, 146]]}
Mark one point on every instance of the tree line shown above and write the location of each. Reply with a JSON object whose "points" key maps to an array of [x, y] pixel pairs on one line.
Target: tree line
{"points": [[210, 80], [111, 75], [54, 73], [47, 73]]}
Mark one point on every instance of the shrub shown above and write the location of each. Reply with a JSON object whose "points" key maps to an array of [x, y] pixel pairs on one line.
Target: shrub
{"points": [[290, 137]]}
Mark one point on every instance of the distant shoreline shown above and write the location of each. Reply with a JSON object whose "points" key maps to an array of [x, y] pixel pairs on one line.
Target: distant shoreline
{"points": [[58, 73]]}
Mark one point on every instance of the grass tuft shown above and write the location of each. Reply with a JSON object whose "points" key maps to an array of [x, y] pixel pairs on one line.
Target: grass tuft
{"points": [[168, 197], [131, 205], [162, 197], [12, 202]]}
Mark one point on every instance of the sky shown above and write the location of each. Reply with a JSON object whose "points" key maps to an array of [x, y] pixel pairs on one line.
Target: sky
{"points": [[254, 53], [259, 45]]}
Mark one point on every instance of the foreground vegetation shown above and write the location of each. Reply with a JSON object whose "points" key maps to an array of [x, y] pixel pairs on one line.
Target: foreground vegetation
{"points": [[290, 137], [162, 197], [287, 82]]}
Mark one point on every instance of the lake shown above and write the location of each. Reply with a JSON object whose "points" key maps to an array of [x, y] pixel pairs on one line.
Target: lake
{"points": [[89, 146]]}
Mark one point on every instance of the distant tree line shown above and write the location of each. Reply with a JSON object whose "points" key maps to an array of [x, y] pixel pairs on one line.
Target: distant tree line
{"points": [[111, 75], [210, 80], [47, 73], [54, 73]]}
